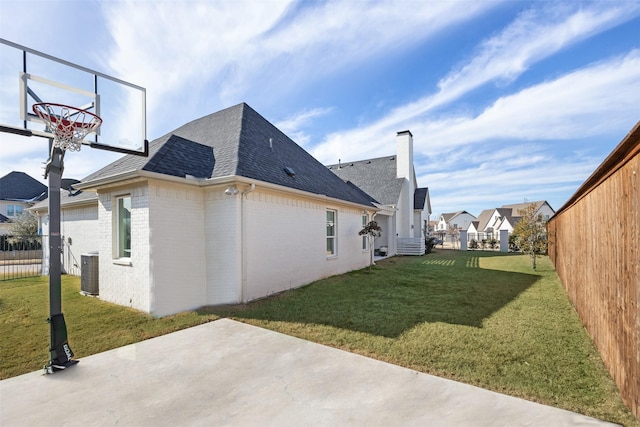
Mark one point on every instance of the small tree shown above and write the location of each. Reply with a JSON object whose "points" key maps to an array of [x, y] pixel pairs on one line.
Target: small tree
{"points": [[24, 230], [371, 230], [530, 233], [455, 236]]}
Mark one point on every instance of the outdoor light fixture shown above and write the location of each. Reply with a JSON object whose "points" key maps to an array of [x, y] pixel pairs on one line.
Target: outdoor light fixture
{"points": [[231, 190]]}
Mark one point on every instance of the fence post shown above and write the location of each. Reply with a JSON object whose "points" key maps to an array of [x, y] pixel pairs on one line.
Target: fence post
{"points": [[463, 240], [504, 240]]}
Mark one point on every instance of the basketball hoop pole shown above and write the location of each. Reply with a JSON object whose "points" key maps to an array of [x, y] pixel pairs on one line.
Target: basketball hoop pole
{"points": [[60, 354], [54, 171]]}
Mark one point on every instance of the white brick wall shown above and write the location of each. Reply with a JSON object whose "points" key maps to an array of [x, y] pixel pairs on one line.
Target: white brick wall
{"points": [[79, 226], [222, 246], [286, 243], [127, 285], [177, 248]]}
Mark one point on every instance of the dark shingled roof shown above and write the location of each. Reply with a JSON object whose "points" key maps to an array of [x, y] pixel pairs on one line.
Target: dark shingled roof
{"points": [[20, 186], [376, 177], [181, 157], [236, 142], [420, 197]]}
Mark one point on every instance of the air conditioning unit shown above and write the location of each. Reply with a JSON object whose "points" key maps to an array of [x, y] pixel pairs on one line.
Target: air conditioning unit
{"points": [[89, 273]]}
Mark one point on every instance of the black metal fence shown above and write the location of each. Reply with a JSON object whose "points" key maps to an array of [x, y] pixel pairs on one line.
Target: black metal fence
{"points": [[21, 256]]}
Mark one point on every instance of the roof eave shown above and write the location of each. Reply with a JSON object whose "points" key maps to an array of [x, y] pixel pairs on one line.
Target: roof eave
{"points": [[140, 175]]}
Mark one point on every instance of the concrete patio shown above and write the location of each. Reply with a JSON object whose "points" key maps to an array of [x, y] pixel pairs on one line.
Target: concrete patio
{"points": [[226, 373]]}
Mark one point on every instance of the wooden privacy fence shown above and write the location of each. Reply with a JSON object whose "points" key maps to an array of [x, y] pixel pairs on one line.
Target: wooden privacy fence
{"points": [[594, 243]]}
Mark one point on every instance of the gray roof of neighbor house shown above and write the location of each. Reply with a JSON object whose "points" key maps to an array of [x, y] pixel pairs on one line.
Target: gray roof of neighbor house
{"points": [[378, 177], [512, 219], [449, 216], [19, 186], [236, 141], [517, 207], [4, 219], [483, 219], [486, 216], [68, 196]]}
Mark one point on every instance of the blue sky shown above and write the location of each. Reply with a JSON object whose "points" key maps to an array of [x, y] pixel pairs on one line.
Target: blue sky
{"points": [[506, 100]]}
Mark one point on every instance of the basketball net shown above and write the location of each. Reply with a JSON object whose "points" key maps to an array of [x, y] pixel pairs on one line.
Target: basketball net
{"points": [[69, 125]]}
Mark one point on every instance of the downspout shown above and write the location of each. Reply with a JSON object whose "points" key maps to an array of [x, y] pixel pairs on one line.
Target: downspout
{"points": [[243, 256]]}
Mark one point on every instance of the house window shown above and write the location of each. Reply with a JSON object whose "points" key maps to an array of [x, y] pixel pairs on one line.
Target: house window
{"points": [[14, 210], [364, 238], [331, 232], [123, 221]]}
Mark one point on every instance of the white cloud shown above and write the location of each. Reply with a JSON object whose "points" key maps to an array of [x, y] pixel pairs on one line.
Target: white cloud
{"points": [[292, 125], [167, 46], [534, 35], [302, 118], [587, 102], [182, 49], [480, 186]]}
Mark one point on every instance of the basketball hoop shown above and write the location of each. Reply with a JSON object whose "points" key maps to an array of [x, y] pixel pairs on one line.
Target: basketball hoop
{"points": [[70, 125]]}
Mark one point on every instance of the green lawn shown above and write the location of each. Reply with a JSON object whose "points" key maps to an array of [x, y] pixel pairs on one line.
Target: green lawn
{"points": [[93, 325], [481, 318]]}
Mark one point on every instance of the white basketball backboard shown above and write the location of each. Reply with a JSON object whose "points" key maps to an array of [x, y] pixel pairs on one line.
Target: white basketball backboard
{"points": [[28, 77]]}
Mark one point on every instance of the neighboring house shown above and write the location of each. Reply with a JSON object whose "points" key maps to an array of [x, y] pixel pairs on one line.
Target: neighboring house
{"points": [[78, 226], [543, 208], [225, 209], [454, 221], [404, 207], [508, 223], [486, 227], [491, 221], [18, 192], [513, 213], [472, 231]]}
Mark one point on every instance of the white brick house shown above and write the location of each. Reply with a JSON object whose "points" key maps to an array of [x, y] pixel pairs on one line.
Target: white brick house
{"points": [[225, 209]]}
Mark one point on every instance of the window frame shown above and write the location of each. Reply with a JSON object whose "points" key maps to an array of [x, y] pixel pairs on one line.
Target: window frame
{"points": [[333, 238], [365, 237], [14, 211], [120, 252]]}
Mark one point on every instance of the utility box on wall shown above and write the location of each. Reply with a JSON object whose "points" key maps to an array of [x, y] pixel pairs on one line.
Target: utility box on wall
{"points": [[89, 273]]}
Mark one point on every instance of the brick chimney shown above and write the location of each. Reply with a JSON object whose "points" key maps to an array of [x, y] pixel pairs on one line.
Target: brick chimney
{"points": [[404, 155], [404, 169]]}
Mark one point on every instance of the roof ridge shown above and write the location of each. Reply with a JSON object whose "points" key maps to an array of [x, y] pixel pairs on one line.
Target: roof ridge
{"points": [[391, 156]]}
